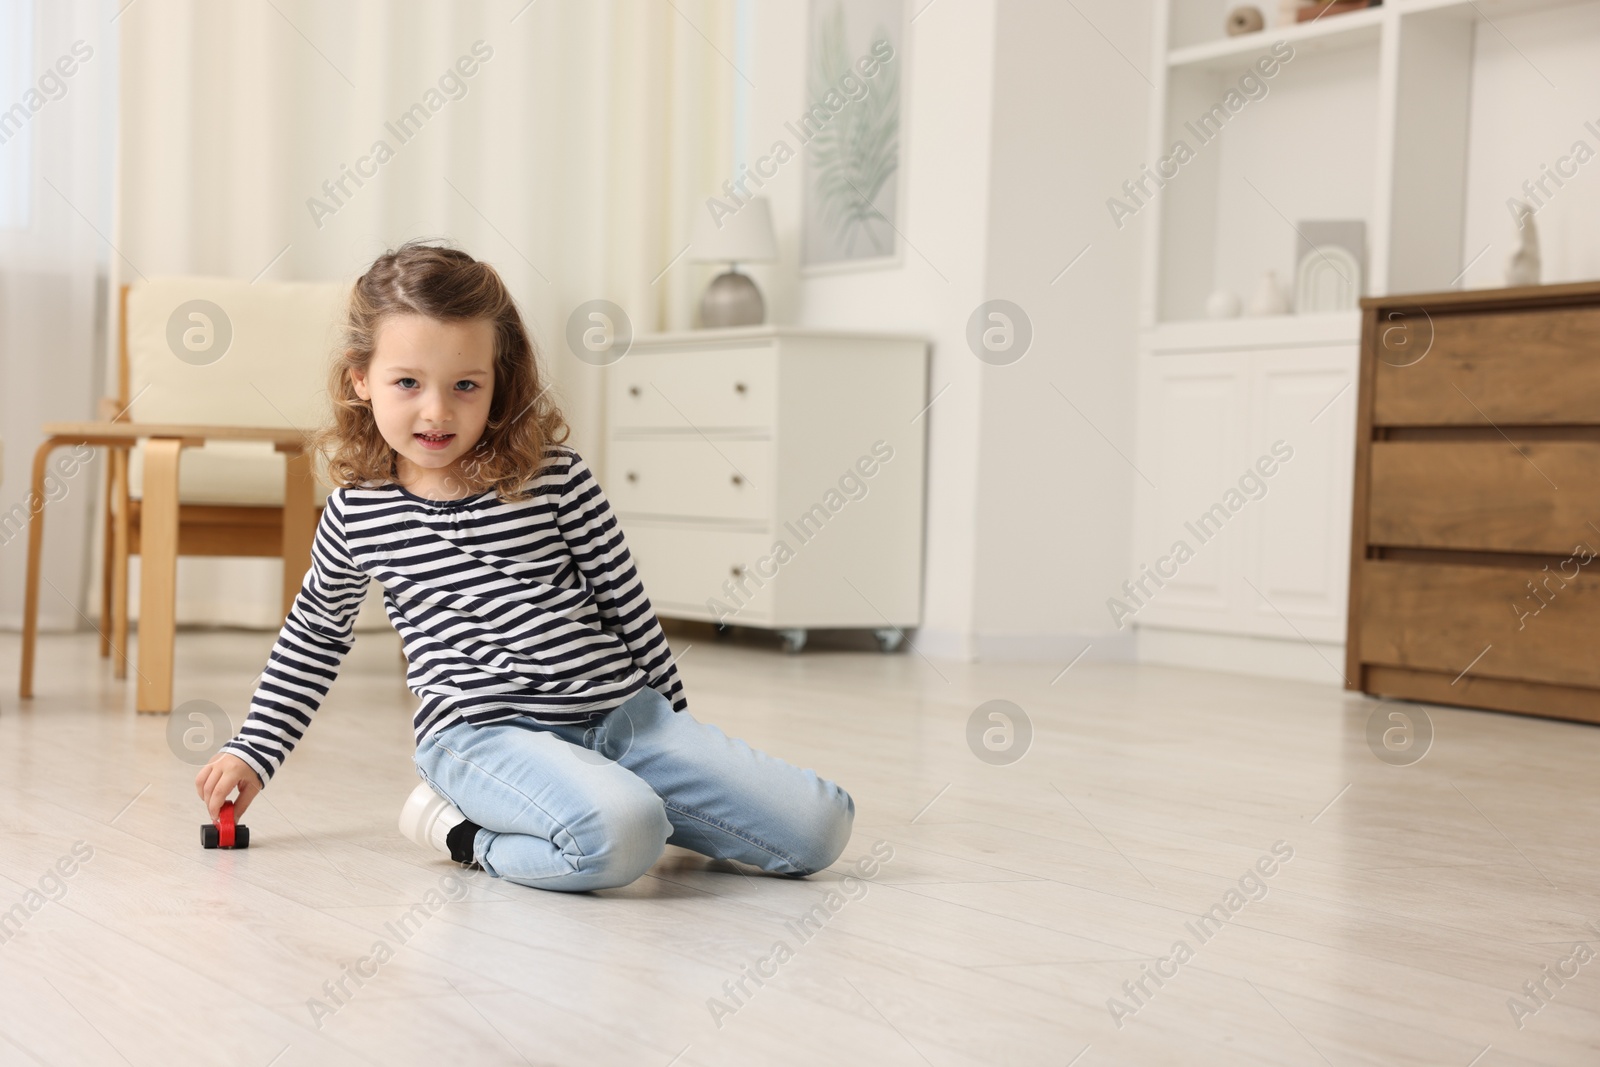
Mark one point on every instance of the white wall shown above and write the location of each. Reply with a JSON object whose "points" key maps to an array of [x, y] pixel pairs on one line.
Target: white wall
{"points": [[1019, 119], [1055, 498], [946, 111], [1549, 57]]}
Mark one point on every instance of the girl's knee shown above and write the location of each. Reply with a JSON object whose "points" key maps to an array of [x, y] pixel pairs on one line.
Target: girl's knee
{"points": [[622, 841], [824, 832]]}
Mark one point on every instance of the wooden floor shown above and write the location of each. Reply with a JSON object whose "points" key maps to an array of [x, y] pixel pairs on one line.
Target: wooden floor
{"points": [[1018, 901]]}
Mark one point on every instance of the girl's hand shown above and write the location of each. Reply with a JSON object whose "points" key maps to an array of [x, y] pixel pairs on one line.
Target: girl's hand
{"points": [[220, 777]]}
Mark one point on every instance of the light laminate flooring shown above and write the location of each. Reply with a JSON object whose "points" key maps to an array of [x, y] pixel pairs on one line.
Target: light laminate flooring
{"points": [[1019, 899]]}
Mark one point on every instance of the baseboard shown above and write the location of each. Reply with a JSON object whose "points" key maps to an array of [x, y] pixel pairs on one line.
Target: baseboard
{"points": [[942, 644], [1266, 657], [1053, 648], [966, 647]]}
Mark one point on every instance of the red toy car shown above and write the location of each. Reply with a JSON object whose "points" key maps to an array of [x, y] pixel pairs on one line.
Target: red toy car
{"points": [[223, 833]]}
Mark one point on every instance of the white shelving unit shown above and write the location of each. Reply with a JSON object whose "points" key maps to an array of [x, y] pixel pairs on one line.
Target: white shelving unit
{"points": [[1368, 118]]}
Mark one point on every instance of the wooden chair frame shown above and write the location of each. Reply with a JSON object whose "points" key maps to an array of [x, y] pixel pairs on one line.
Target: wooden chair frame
{"points": [[159, 529]]}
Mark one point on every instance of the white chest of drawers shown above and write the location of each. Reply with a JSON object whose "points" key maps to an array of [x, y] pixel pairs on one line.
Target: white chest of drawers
{"points": [[772, 476]]}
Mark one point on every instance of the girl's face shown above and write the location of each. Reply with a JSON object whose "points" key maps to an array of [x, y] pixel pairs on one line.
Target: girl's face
{"points": [[430, 382]]}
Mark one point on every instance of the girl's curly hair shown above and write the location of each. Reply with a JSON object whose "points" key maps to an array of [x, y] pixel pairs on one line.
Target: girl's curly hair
{"points": [[421, 278]]}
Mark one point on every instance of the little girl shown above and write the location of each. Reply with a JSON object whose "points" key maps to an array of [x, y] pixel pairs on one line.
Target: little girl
{"points": [[554, 739]]}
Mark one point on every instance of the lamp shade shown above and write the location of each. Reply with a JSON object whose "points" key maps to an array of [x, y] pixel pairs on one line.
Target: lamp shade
{"points": [[745, 236]]}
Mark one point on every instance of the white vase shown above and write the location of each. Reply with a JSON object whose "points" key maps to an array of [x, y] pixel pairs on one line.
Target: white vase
{"points": [[1268, 299]]}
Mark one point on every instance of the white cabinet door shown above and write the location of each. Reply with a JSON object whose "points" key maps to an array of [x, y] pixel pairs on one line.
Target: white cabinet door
{"points": [[1299, 552], [1191, 446], [1251, 455]]}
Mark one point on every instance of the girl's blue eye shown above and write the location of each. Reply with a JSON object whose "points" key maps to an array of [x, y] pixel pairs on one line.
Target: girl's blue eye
{"points": [[467, 386], [406, 383]]}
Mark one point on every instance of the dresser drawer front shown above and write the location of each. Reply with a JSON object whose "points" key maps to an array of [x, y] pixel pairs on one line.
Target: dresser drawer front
{"points": [[718, 389], [1524, 367], [1484, 495], [1442, 617], [684, 569], [691, 477]]}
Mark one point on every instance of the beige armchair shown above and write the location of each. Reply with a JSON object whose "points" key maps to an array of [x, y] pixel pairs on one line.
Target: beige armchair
{"points": [[229, 377]]}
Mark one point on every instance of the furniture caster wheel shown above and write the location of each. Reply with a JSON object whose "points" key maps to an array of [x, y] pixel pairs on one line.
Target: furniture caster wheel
{"points": [[793, 640], [889, 640], [223, 833]]}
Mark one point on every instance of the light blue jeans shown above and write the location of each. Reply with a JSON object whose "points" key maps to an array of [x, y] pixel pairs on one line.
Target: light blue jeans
{"points": [[592, 806]]}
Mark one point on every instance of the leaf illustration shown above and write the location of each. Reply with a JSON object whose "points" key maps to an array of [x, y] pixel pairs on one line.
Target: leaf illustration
{"points": [[856, 153]]}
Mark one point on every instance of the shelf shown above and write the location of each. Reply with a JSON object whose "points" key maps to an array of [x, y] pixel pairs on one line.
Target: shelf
{"points": [[1268, 331], [1482, 10], [1333, 31]]}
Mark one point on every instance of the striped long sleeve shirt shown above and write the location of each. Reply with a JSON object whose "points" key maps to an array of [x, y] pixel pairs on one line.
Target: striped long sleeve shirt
{"points": [[529, 608]]}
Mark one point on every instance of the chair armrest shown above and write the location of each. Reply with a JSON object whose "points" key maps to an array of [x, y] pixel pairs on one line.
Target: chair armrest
{"points": [[121, 433]]}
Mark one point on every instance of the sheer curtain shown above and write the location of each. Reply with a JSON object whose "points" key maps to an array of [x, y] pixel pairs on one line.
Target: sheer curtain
{"points": [[58, 78], [570, 156]]}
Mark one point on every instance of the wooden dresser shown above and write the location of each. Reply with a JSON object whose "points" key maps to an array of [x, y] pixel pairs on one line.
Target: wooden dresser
{"points": [[772, 476], [1474, 576]]}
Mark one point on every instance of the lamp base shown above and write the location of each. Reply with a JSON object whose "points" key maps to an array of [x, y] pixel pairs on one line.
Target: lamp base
{"points": [[732, 299]]}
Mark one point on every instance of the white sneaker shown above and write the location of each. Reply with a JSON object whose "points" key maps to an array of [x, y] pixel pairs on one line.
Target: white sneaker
{"points": [[427, 818]]}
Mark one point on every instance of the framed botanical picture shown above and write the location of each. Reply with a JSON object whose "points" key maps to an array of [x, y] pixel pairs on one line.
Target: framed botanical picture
{"points": [[851, 135]]}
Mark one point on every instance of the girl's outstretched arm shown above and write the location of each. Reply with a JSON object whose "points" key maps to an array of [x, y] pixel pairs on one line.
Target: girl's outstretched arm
{"points": [[305, 659], [594, 537]]}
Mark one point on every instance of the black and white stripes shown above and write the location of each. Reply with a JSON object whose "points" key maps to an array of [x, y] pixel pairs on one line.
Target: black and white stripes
{"points": [[506, 609]]}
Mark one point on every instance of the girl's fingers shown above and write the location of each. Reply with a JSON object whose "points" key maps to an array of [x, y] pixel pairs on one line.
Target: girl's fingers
{"points": [[247, 793], [208, 790], [214, 776], [220, 788], [213, 803]]}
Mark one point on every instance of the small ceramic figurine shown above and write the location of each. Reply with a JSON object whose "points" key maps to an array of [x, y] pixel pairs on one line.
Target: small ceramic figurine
{"points": [[1523, 267], [1245, 20]]}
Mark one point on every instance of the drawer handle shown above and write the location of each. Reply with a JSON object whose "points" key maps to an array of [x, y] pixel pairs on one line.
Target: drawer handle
{"points": [[738, 479], [740, 388], [634, 390], [632, 477]]}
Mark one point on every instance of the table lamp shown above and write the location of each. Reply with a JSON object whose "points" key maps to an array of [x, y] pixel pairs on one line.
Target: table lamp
{"points": [[745, 236]]}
